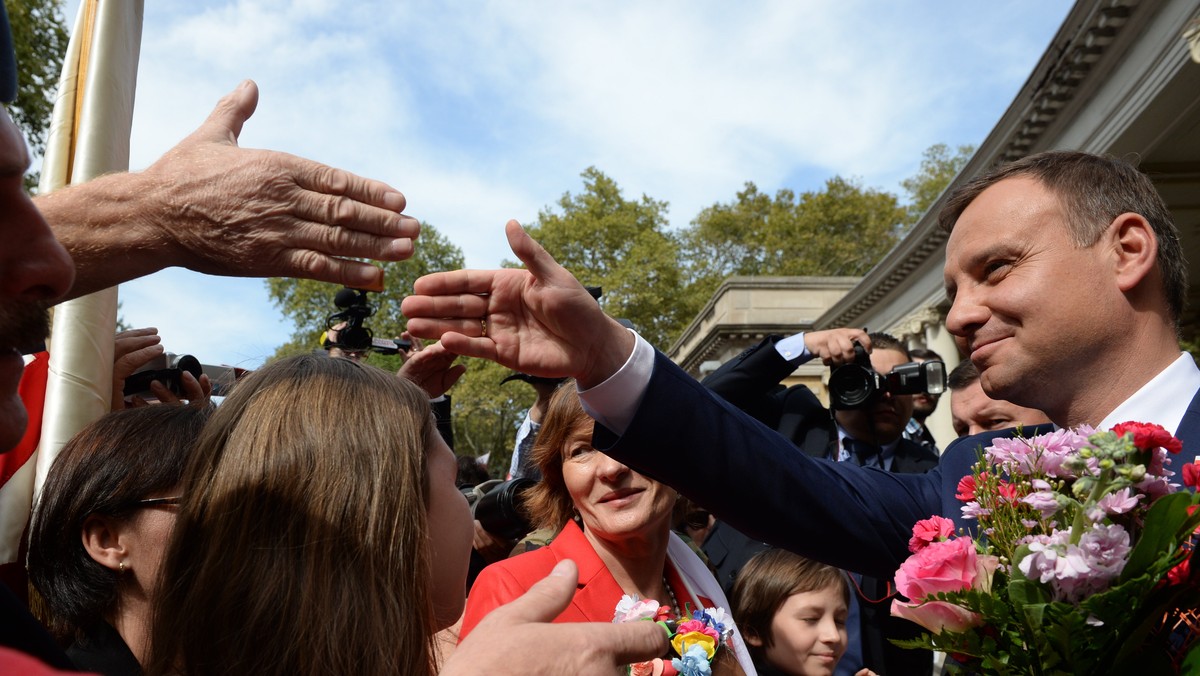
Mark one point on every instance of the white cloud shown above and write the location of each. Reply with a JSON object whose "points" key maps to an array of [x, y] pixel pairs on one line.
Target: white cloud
{"points": [[484, 111]]}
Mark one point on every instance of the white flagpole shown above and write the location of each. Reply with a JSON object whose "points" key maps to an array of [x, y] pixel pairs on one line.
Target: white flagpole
{"points": [[90, 137]]}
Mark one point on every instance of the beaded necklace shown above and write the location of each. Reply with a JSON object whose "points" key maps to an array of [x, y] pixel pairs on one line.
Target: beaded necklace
{"points": [[674, 601]]}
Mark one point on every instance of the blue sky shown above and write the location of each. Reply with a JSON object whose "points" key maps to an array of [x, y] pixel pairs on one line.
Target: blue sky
{"points": [[484, 111]]}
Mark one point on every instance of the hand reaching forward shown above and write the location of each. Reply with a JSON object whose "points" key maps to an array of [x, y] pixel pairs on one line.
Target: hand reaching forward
{"points": [[518, 638], [216, 208], [432, 367], [539, 321]]}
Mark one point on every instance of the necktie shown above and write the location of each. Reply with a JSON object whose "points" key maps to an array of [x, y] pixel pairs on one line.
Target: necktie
{"points": [[863, 454]]}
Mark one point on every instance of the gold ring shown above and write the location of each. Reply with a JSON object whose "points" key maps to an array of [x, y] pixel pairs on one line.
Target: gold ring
{"points": [[483, 327]]}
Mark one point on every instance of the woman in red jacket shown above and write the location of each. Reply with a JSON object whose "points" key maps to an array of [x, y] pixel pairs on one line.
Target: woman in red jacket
{"points": [[615, 524]]}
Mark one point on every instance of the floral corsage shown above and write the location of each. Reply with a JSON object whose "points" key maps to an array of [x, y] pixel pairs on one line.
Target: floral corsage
{"points": [[694, 641]]}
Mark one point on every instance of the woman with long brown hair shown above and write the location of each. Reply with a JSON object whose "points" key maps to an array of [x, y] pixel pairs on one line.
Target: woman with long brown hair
{"points": [[320, 530]]}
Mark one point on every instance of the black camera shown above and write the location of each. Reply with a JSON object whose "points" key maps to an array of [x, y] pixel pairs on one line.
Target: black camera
{"points": [[496, 505], [355, 336], [168, 369], [859, 385]]}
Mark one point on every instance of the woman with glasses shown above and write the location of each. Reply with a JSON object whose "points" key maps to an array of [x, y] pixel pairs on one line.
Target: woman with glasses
{"points": [[101, 527]]}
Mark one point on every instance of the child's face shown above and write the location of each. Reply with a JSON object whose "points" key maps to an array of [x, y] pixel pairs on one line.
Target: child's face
{"points": [[808, 633]]}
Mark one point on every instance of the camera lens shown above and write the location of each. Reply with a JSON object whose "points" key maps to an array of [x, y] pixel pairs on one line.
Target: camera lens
{"points": [[851, 386]]}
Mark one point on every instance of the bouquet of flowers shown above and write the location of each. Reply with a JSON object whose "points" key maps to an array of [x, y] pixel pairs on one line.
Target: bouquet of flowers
{"points": [[1081, 564], [694, 641]]}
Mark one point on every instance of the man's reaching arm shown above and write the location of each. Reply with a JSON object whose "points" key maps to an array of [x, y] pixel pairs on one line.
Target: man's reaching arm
{"points": [[211, 206]]}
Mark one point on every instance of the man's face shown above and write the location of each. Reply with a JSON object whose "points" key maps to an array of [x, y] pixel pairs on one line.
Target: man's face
{"points": [[1034, 309], [884, 421], [974, 412], [34, 271]]}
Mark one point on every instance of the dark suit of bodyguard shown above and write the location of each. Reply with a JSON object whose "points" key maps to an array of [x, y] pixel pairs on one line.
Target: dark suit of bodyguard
{"points": [[751, 381]]}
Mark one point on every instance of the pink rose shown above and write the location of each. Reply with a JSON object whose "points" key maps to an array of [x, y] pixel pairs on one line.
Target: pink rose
{"points": [[937, 616], [930, 530], [946, 566], [696, 626]]}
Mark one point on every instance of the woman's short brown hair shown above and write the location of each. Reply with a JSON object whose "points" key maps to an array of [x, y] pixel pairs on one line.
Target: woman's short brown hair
{"points": [[548, 503], [764, 585]]}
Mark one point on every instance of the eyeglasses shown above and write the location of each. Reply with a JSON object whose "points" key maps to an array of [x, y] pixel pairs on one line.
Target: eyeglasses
{"points": [[155, 502]]}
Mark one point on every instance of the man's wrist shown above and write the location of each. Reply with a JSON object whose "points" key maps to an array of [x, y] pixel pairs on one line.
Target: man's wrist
{"points": [[615, 351]]}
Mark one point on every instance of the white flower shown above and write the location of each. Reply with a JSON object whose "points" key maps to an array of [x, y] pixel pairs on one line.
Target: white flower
{"points": [[631, 608]]}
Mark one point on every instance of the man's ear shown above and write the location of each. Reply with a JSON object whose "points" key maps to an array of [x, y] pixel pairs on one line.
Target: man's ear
{"points": [[1136, 248], [103, 542]]}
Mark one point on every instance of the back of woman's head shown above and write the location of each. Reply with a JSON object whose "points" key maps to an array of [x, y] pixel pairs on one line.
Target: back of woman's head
{"points": [[549, 503], [764, 584], [104, 470], [301, 543]]}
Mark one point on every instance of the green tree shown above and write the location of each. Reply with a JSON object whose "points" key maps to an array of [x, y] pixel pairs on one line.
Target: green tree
{"points": [[485, 415], [939, 166], [40, 42], [842, 229], [624, 247]]}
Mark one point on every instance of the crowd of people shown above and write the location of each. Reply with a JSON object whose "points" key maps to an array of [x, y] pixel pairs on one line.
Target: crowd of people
{"points": [[313, 522]]}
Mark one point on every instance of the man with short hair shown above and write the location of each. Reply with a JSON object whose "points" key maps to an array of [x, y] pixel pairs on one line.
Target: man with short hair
{"points": [[924, 404], [974, 412], [1067, 281]]}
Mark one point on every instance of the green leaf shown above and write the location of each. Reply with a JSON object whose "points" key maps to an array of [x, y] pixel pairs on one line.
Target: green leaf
{"points": [[1161, 534]]}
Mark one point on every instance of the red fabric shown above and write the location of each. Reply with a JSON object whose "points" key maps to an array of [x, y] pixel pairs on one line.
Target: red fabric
{"points": [[13, 662], [33, 393], [595, 598]]}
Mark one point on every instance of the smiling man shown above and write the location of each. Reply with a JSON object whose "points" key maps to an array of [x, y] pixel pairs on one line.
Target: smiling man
{"points": [[1067, 281]]}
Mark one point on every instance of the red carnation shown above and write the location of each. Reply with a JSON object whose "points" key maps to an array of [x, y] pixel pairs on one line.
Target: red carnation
{"points": [[1191, 473], [1148, 436], [966, 488]]}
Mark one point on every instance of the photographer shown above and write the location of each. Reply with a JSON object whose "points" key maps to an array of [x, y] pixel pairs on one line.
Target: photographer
{"points": [[433, 370], [867, 430], [135, 349]]}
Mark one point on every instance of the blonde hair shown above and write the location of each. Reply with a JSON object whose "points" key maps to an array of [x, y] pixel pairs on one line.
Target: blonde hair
{"points": [[302, 542]]}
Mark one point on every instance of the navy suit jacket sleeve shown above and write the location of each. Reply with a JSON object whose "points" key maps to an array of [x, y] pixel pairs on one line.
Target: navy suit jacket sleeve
{"points": [[748, 475], [751, 381]]}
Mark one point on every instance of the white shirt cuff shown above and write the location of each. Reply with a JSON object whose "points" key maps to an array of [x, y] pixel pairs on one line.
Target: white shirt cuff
{"points": [[614, 402], [793, 348]]}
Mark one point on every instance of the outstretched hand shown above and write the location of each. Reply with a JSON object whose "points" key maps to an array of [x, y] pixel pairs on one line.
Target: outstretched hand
{"points": [[214, 207], [520, 637], [261, 213], [539, 320]]}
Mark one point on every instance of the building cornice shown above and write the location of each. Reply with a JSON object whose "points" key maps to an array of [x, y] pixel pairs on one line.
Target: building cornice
{"points": [[1085, 36]]}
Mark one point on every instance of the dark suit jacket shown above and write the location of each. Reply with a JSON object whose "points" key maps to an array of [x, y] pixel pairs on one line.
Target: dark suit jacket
{"points": [[844, 515], [750, 381]]}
